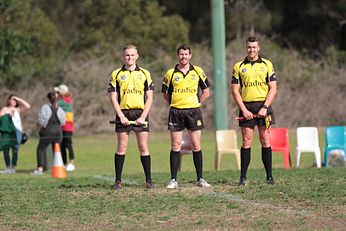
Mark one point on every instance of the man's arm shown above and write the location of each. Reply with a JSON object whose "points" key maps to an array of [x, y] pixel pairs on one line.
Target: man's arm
{"points": [[166, 96], [239, 101], [205, 95], [149, 101], [113, 98], [269, 98]]}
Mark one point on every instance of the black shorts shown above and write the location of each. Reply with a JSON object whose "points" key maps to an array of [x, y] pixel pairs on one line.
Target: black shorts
{"points": [[132, 115], [254, 108], [190, 118]]}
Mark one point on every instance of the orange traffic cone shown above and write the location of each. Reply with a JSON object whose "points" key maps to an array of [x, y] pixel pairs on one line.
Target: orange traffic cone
{"points": [[58, 169]]}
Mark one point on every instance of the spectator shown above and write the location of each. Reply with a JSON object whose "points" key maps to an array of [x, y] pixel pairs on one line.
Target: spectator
{"points": [[15, 105], [49, 119], [65, 102]]}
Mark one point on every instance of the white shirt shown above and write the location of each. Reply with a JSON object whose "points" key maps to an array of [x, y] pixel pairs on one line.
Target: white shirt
{"points": [[17, 121]]}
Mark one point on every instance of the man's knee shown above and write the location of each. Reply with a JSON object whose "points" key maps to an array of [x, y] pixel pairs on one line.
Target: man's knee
{"points": [[121, 148], [143, 148]]}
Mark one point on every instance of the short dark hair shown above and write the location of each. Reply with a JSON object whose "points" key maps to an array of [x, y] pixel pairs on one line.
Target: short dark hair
{"points": [[184, 47], [252, 39]]}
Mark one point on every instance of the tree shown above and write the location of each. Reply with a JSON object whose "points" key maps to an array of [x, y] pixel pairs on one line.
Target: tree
{"points": [[307, 25], [99, 26], [246, 18], [28, 41]]}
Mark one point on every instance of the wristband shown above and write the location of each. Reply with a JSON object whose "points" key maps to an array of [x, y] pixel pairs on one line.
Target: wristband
{"points": [[265, 106]]}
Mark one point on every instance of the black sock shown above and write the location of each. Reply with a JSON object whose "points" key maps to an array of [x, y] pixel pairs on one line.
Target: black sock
{"points": [[174, 162], [146, 166], [267, 160], [118, 166], [198, 162], [245, 157]]}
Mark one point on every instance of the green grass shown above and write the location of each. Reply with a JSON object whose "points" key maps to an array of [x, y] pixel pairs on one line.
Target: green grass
{"points": [[302, 199]]}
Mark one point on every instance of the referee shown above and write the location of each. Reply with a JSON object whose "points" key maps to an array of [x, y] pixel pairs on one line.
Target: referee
{"points": [[253, 89], [180, 88], [131, 95]]}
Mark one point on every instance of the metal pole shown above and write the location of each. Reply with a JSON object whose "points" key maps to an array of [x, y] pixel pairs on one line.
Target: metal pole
{"points": [[219, 64]]}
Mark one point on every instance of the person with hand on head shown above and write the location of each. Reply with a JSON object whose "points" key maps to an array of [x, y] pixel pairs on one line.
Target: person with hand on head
{"points": [[65, 102], [131, 95], [180, 87], [50, 118], [14, 106], [254, 88]]}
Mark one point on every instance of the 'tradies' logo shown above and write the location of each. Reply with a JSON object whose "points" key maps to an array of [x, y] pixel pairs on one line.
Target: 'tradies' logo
{"points": [[133, 91], [254, 84], [185, 90]]}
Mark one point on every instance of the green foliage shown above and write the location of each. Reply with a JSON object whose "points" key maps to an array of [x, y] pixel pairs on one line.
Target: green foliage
{"points": [[335, 56], [306, 25], [108, 24], [32, 44], [243, 18], [151, 30], [28, 41]]}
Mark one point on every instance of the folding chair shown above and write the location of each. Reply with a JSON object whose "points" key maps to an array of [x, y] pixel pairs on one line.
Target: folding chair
{"points": [[280, 143], [226, 142], [335, 139], [307, 141]]}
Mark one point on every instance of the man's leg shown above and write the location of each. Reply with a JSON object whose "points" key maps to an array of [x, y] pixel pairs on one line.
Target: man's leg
{"points": [[266, 151], [119, 157], [176, 138], [197, 152], [245, 151], [142, 143]]}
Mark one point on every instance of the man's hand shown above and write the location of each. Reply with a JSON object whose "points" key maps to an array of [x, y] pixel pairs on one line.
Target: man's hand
{"points": [[248, 115], [263, 112], [140, 121], [124, 120]]}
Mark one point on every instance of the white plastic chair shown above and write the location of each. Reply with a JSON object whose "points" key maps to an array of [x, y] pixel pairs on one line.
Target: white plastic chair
{"points": [[226, 142], [307, 141]]}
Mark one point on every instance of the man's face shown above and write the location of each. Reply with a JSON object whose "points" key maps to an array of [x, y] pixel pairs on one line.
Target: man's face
{"points": [[184, 56], [252, 50], [130, 57]]}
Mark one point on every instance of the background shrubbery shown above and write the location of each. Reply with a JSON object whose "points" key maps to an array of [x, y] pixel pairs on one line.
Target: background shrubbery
{"points": [[45, 43]]}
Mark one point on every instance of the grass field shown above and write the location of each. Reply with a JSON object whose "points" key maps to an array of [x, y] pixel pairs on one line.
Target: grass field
{"points": [[302, 199]]}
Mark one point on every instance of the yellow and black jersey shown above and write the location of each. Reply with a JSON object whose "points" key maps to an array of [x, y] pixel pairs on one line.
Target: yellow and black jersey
{"points": [[253, 78], [130, 86], [183, 90]]}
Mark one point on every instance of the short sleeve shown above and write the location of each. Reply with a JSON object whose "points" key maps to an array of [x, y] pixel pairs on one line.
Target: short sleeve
{"points": [[112, 83], [235, 74], [203, 82], [271, 72], [149, 82], [166, 81]]}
